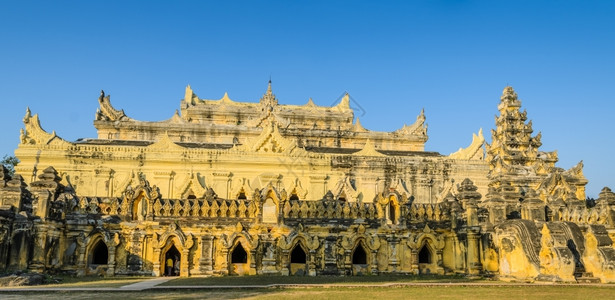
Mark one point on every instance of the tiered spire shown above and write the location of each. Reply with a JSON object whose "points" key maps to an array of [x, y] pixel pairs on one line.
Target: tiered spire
{"points": [[512, 142]]}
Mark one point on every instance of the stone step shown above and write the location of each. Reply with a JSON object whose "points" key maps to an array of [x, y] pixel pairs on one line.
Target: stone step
{"points": [[583, 274], [587, 279]]}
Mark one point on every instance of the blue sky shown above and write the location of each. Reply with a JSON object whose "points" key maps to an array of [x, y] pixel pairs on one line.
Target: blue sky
{"points": [[452, 58]]}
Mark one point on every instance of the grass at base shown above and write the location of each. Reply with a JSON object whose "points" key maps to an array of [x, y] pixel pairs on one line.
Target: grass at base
{"points": [[358, 293], [266, 280], [94, 281]]}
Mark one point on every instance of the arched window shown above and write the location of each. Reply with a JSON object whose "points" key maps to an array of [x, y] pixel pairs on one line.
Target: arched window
{"points": [[424, 255], [293, 197], [242, 196], [100, 254], [239, 255], [359, 257], [298, 256]]}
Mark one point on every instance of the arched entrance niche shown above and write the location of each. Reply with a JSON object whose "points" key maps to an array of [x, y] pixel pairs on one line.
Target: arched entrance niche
{"points": [[426, 261], [98, 254], [172, 261], [424, 255], [298, 260], [239, 260], [359, 260], [426, 252], [173, 250]]}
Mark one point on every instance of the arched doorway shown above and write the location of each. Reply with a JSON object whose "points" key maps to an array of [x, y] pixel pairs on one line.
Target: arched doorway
{"points": [[172, 261], [424, 255], [359, 256], [99, 254], [298, 261], [426, 265], [359, 260], [239, 260]]}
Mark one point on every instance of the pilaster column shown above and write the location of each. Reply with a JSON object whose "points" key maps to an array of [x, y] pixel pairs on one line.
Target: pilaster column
{"points": [[111, 261], [206, 260], [183, 263], [330, 255], [37, 264], [473, 256], [156, 262], [393, 241], [311, 264]]}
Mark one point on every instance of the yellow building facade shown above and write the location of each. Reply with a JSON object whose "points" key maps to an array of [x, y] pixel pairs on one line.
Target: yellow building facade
{"points": [[227, 187]]}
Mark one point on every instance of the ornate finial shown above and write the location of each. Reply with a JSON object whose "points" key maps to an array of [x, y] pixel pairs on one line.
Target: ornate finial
{"points": [[269, 98], [509, 94], [28, 115]]}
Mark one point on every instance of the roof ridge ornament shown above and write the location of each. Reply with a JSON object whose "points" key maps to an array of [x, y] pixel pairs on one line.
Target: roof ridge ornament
{"points": [[345, 103], [417, 128], [107, 112], [472, 152], [34, 134]]}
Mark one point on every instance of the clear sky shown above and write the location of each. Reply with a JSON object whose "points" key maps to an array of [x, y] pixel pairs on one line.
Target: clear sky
{"points": [[452, 58]]}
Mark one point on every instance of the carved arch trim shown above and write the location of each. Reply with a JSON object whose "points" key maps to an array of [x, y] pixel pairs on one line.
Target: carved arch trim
{"points": [[427, 237], [181, 240], [288, 242]]}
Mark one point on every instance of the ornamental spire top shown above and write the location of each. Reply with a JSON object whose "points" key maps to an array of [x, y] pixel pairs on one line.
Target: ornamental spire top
{"points": [[269, 98], [509, 98]]}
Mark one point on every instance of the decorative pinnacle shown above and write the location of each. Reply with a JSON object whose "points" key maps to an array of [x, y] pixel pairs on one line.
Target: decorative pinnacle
{"points": [[508, 94], [269, 97], [269, 92], [28, 115]]}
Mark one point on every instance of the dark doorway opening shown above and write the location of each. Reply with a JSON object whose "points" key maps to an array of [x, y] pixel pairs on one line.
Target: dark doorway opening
{"points": [[359, 257], [100, 254], [239, 255], [172, 261], [298, 256], [424, 255]]}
